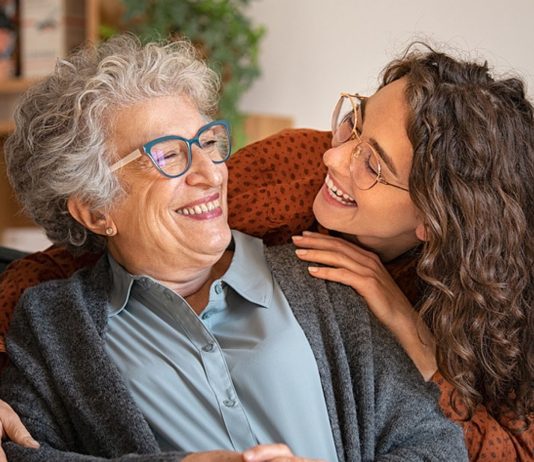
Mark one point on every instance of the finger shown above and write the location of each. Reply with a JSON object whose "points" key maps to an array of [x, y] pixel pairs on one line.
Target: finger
{"points": [[336, 260], [14, 429], [339, 245], [316, 234], [340, 275], [294, 459], [264, 452]]}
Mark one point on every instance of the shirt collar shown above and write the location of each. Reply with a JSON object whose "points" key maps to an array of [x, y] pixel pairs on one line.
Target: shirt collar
{"points": [[121, 286], [248, 274]]}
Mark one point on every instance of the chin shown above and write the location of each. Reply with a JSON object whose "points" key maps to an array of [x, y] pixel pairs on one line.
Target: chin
{"points": [[325, 215], [220, 240]]}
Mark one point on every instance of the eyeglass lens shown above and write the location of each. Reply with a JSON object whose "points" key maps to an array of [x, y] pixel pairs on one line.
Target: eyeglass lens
{"points": [[171, 155], [344, 120], [364, 166]]}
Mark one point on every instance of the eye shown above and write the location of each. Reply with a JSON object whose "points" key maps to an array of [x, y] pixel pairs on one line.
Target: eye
{"points": [[370, 160], [372, 169], [165, 155], [169, 155], [209, 142]]}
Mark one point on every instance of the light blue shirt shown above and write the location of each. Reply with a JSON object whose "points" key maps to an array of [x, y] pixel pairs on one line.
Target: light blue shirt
{"points": [[240, 374]]}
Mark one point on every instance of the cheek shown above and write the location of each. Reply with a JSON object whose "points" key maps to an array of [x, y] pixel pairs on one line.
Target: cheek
{"points": [[392, 211]]}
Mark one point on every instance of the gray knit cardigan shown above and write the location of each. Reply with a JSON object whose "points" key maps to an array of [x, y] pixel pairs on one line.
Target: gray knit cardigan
{"points": [[73, 400]]}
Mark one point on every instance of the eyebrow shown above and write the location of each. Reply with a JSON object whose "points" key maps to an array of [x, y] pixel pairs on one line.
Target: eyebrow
{"points": [[384, 156]]}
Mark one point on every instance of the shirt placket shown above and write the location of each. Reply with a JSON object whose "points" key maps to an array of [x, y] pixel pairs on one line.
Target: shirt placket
{"points": [[215, 366]]}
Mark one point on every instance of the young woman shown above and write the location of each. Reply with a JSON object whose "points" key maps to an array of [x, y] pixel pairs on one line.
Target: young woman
{"points": [[437, 167]]}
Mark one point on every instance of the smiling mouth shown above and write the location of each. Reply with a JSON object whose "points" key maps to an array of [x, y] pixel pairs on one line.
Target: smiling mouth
{"points": [[337, 193], [200, 209]]}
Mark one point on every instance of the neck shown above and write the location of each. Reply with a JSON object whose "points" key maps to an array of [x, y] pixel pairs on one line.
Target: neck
{"points": [[192, 282], [199, 298]]}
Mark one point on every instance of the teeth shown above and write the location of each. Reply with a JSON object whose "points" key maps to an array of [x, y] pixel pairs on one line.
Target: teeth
{"points": [[199, 209], [337, 194]]}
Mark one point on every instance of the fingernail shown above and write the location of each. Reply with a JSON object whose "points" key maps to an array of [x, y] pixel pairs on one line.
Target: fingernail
{"points": [[296, 238], [313, 269], [307, 233], [248, 455], [31, 443], [301, 251]]}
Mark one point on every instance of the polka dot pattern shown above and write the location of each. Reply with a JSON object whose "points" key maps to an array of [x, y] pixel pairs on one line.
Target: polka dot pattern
{"points": [[271, 188], [487, 439], [272, 184]]}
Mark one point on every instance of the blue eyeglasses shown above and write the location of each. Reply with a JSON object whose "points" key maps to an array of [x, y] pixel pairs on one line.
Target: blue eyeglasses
{"points": [[172, 154]]}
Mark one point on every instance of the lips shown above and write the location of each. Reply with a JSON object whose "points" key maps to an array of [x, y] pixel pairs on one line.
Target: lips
{"points": [[336, 193]]}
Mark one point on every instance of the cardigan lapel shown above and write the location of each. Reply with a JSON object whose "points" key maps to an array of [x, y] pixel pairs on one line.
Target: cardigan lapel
{"points": [[313, 310]]}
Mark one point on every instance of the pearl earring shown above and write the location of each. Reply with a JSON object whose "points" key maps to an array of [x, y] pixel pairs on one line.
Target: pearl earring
{"points": [[110, 231]]}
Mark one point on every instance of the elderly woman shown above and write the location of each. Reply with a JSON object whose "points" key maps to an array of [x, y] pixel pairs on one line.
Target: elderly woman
{"points": [[179, 340]]}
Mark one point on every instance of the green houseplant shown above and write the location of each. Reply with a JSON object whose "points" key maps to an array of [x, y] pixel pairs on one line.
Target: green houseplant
{"points": [[221, 32]]}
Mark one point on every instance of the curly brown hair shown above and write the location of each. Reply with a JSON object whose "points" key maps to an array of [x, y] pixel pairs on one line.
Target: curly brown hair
{"points": [[473, 180]]}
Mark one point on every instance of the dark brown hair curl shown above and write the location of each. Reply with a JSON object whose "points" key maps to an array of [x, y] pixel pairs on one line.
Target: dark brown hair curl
{"points": [[473, 180]]}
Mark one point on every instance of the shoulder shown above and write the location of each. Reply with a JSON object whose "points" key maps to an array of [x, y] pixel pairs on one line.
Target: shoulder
{"points": [[57, 301], [286, 266], [309, 294]]}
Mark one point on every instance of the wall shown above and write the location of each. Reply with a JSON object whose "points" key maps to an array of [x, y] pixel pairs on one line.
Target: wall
{"points": [[316, 48]]}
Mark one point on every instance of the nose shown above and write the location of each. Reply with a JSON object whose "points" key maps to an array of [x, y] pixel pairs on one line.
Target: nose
{"points": [[203, 171], [337, 158]]}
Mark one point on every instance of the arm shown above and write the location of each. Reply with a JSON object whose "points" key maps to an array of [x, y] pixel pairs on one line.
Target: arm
{"points": [[260, 453], [362, 270], [353, 266], [486, 437]]}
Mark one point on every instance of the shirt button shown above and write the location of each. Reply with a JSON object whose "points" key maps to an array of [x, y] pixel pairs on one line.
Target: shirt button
{"points": [[206, 315], [230, 402], [209, 347], [218, 288]]}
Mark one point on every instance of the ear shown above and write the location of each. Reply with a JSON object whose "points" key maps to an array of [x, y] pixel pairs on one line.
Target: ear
{"points": [[420, 232], [93, 220]]}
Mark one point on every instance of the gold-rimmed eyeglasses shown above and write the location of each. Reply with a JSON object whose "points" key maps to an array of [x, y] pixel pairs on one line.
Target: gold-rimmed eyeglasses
{"points": [[365, 164]]}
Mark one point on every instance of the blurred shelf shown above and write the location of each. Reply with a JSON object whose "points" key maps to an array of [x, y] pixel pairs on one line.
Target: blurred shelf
{"points": [[6, 127], [15, 85]]}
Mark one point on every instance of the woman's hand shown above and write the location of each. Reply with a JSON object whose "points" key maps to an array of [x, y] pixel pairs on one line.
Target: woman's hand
{"points": [[12, 428], [260, 453], [364, 272]]}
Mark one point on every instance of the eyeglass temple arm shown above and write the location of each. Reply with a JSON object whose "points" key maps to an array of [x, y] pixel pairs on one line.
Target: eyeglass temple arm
{"points": [[126, 160]]}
